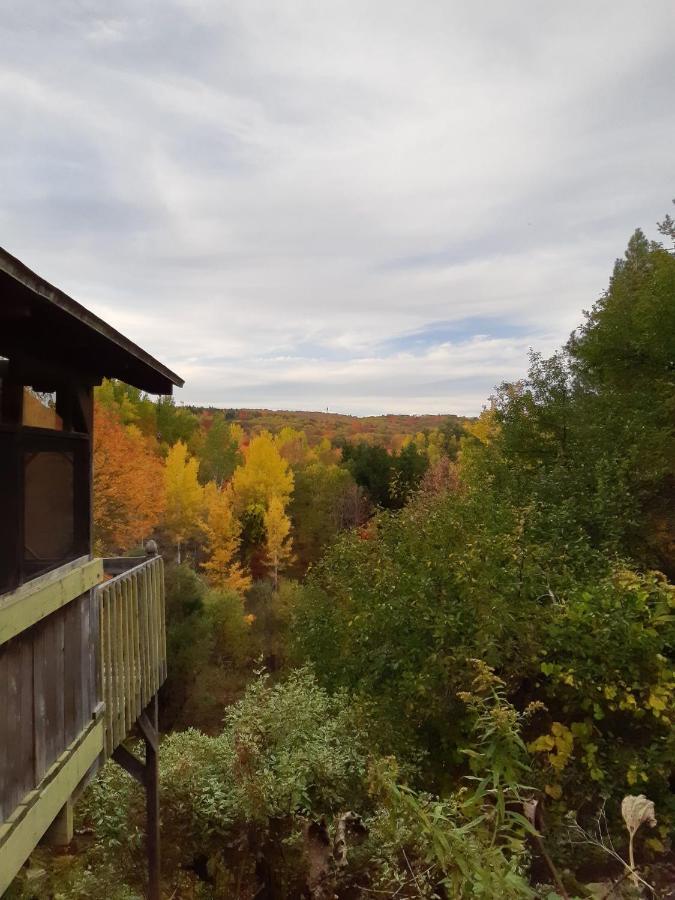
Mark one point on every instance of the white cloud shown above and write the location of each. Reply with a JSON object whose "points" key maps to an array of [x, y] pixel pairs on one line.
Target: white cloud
{"points": [[269, 197]]}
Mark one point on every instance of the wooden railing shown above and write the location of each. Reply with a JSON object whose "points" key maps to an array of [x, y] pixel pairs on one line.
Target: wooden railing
{"points": [[132, 644]]}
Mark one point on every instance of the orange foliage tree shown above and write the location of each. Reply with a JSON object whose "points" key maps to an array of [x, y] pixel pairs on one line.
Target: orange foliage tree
{"points": [[129, 494]]}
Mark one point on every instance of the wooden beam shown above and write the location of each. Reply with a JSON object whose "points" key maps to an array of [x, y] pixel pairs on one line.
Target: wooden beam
{"points": [[130, 764], [148, 730], [41, 597]]}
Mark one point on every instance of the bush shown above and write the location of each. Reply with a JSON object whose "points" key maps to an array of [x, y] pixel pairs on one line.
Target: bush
{"points": [[287, 753], [394, 619], [607, 682]]}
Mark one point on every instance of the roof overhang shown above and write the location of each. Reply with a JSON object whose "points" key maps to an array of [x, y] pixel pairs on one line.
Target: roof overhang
{"points": [[39, 321]]}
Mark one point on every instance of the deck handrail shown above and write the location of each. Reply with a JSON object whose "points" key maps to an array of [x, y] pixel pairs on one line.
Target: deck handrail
{"points": [[132, 645]]}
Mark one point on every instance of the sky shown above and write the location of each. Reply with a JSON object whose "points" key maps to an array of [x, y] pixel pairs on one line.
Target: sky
{"points": [[365, 206]]}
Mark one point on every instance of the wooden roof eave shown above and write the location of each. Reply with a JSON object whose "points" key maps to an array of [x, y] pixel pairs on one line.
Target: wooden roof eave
{"points": [[111, 354]]}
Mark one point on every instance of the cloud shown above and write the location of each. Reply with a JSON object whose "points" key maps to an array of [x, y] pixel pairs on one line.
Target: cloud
{"points": [[371, 207]]}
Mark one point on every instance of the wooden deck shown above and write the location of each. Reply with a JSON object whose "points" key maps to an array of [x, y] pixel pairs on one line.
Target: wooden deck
{"points": [[79, 662]]}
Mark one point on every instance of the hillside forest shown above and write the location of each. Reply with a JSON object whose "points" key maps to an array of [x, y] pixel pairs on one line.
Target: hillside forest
{"points": [[409, 656]]}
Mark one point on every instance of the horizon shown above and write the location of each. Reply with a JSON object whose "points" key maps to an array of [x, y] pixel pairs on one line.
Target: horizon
{"points": [[322, 412], [363, 208]]}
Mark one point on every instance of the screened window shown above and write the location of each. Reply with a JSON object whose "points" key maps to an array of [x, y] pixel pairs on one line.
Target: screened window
{"points": [[44, 480]]}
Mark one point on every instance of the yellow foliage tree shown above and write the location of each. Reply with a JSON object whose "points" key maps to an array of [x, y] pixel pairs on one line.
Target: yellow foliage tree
{"points": [[223, 531], [293, 447], [184, 496], [278, 540], [265, 474], [486, 427]]}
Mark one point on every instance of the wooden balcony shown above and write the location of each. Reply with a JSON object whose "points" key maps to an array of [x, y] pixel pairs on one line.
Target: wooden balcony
{"points": [[132, 643], [80, 660]]}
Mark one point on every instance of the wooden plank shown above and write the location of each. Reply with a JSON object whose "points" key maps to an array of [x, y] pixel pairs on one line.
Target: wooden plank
{"points": [[162, 601], [86, 642], [136, 577], [114, 666], [130, 763], [143, 625], [72, 698], [6, 761], [155, 629], [131, 696], [25, 749], [119, 672], [99, 598], [95, 695], [22, 834], [131, 619], [16, 777], [36, 600], [106, 630], [48, 687], [126, 639]]}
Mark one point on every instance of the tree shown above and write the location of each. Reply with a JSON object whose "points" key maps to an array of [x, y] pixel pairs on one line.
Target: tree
{"points": [[320, 507], [223, 534], [293, 447], [265, 474], [371, 469], [129, 495], [219, 455], [174, 423], [278, 541], [408, 467], [184, 496]]}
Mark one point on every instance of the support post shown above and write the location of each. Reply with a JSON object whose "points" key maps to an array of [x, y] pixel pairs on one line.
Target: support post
{"points": [[148, 724], [147, 774], [60, 832]]}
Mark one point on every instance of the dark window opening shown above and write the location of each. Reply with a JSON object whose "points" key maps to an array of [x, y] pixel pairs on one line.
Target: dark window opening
{"points": [[45, 458]]}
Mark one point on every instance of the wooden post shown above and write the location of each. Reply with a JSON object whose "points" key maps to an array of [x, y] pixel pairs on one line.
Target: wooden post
{"points": [[147, 774], [149, 728], [60, 832]]}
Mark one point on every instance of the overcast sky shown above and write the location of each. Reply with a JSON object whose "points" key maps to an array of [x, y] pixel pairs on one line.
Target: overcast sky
{"points": [[367, 206]]}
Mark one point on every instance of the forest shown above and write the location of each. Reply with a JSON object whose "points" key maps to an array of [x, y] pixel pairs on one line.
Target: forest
{"points": [[409, 656]]}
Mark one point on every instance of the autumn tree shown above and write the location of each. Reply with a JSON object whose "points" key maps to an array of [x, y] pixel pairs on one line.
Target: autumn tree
{"points": [[223, 535], [129, 494], [184, 496], [277, 538], [293, 447], [265, 474]]}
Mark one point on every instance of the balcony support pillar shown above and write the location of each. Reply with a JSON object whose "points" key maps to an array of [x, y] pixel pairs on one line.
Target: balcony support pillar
{"points": [[147, 774], [60, 832]]}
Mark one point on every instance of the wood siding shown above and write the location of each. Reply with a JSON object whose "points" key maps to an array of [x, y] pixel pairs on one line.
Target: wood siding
{"points": [[48, 695]]}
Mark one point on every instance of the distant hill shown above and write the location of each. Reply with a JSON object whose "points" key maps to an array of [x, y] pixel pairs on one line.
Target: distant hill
{"points": [[386, 430]]}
